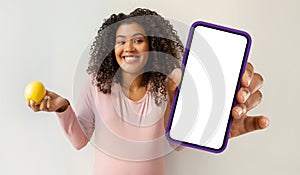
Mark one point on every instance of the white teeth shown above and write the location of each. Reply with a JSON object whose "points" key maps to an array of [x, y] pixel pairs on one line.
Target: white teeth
{"points": [[130, 59]]}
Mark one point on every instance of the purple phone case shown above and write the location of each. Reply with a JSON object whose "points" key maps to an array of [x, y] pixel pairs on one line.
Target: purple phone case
{"points": [[242, 70]]}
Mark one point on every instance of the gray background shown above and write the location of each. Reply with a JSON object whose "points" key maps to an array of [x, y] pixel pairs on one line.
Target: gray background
{"points": [[43, 40]]}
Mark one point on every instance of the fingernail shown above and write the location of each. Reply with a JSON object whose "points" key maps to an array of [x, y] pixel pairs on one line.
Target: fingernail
{"points": [[239, 111], [175, 73], [244, 95], [31, 102], [248, 80], [266, 122]]}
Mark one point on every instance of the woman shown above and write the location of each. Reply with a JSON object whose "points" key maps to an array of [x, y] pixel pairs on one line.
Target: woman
{"points": [[134, 70]]}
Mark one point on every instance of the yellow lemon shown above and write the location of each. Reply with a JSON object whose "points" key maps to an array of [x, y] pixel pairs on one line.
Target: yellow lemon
{"points": [[35, 91]]}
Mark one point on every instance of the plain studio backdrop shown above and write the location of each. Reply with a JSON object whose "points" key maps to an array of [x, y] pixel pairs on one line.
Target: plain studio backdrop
{"points": [[44, 40]]}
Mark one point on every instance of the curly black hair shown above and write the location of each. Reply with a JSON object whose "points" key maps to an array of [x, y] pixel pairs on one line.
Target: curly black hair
{"points": [[165, 51]]}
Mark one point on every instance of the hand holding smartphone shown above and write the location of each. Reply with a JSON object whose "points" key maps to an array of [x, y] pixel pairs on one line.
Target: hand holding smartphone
{"points": [[213, 64]]}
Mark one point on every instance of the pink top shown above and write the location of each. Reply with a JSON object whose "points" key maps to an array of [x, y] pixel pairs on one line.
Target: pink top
{"points": [[128, 135]]}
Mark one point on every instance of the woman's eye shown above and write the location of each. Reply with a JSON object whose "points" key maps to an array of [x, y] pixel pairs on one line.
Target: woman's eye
{"points": [[120, 42], [137, 41]]}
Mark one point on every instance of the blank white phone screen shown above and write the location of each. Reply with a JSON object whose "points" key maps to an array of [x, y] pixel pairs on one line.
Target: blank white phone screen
{"points": [[208, 87]]}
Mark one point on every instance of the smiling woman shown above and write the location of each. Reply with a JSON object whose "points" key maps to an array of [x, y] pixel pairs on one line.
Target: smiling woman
{"points": [[132, 48], [124, 104], [134, 68], [143, 33]]}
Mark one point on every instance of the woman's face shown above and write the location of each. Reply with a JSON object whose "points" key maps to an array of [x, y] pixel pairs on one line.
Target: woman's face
{"points": [[131, 48]]}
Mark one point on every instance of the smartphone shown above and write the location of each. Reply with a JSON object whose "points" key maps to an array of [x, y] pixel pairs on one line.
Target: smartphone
{"points": [[213, 64]]}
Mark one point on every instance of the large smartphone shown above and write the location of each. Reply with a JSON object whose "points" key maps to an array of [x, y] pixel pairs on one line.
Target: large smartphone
{"points": [[213, 64]]}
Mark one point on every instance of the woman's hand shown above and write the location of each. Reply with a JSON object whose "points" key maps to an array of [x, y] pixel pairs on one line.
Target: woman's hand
{"points": [[172, 81], [52, 102], [248, 97]]}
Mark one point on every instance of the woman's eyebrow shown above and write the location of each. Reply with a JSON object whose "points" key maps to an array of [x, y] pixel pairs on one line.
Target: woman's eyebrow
{"points": [[120, 36], [136, 34]]}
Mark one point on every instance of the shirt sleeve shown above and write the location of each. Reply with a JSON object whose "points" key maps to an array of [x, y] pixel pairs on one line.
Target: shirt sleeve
{"points": [[79, 126]]}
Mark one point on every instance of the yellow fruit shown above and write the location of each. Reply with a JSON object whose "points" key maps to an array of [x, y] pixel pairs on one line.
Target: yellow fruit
{"points": [[35, 91]]}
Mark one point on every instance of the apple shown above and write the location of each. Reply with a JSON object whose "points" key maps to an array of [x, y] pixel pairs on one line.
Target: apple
{"points": [[35, 91]]}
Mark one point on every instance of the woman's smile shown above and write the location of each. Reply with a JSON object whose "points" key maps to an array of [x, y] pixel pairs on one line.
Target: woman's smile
{"points": [[131, 58]]}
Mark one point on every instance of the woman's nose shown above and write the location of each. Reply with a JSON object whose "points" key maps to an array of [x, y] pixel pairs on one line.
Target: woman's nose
{"points": [[129, 47]]}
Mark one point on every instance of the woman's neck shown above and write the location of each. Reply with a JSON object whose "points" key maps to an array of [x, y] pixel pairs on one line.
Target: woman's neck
{"points": [[132, 85], [131, 82]]}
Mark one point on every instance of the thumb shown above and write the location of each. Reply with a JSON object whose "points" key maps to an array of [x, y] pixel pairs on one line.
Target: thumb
{"points": [[55, 101], [173, 79]]}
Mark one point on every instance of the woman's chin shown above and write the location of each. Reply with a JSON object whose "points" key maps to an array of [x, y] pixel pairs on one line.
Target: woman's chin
{"points": [[131, 69]]}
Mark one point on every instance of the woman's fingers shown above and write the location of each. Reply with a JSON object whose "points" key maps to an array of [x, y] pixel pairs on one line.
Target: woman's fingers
{"points": [[256, 123], [241, 109], [44, 105], [254, 100], [248, 124], [34, 106], [248, 74], [245, 92], [248, 97], [48, 104], [256, 82]]}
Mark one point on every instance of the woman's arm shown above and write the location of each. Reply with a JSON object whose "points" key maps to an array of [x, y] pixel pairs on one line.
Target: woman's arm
{"points": [[72, 128], [79, 126], [172, 81]]}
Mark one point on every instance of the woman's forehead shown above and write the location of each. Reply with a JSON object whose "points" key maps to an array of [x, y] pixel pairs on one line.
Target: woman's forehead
{"points": [[130, 29]]}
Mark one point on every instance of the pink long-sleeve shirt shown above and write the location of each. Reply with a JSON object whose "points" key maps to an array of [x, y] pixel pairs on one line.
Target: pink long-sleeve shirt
{"points": [[128, 136]]}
